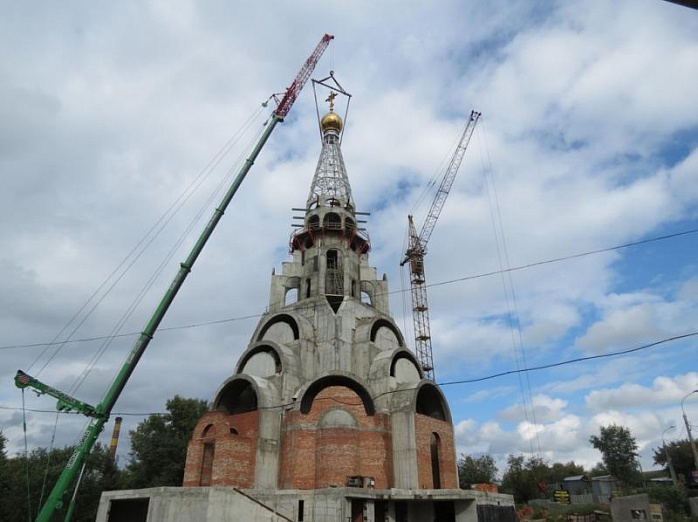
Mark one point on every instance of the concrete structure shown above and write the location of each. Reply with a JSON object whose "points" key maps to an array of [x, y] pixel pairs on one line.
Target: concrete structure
{"points": [[635, 508], [328, 416]]}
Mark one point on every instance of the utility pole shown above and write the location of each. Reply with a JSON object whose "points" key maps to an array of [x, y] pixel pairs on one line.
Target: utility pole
{"points": [[672, 472], [688, 430]]}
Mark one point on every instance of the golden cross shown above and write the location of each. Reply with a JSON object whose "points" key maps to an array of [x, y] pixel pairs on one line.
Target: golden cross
{"points": [[331, 98]]}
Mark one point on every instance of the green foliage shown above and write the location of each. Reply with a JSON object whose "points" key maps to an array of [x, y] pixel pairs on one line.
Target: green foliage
{"points": [[4, 479], [598, 470], [560, 471], [24, 487], [476, 470], [673, 500], [618, 451], [159, 445], [681, 457], [526, 479], [533, 478]]}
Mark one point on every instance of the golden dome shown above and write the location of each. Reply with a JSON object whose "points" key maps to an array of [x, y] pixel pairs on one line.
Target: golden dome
{"points": [[331, 121]]}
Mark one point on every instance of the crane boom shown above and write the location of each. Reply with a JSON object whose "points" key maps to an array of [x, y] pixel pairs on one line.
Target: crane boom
{"points": [[100, 413], [447, 181], [302, 77], [417, 249]]}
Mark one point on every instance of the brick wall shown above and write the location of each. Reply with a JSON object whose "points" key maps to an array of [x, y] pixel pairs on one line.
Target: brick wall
{"points": [[234, 442], [424, 427], [317, 455]]}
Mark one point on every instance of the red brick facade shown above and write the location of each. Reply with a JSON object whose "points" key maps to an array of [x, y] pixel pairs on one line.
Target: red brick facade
{"points": [[317, 455], [336, 439], [425, 427], [223, 450]]}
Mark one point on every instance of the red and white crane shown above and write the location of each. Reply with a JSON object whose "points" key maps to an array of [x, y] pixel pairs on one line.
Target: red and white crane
{"points": [[417, 249]]}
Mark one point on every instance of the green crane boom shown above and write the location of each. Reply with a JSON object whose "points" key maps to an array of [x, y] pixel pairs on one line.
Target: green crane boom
{"points": [[100, 413]]}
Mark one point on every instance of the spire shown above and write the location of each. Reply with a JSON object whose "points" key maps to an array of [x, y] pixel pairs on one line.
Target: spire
{"points": [[330, 186]]}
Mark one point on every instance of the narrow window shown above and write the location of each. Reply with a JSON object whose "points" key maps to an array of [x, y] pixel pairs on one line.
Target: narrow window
{"points": [[207, 464], [307, 288], [435, 467], [334, 284], [301, 509]]}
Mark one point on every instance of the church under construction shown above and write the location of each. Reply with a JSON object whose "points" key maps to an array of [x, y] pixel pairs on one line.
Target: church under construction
{"points": [[328, 415]]}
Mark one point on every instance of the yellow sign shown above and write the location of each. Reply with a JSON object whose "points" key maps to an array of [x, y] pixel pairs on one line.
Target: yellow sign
{"points": [[562, 496]]}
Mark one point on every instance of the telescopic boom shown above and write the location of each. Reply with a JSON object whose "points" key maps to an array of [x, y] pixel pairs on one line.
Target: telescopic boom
{"points": [[100, 413]]}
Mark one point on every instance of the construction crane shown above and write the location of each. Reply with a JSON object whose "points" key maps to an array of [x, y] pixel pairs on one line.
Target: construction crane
{"points": [[417, 249], [100, 413]]}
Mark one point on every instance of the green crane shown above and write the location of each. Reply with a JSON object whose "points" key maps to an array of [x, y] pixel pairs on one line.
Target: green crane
{"points": [[100, 413]]}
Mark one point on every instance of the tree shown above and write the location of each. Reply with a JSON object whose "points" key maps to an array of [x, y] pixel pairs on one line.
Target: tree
{"points": [[27, 480], [598, 470], [476, 470], [159, 444], [4, 482], [560, 471], [526, 479], [618, 452], [681, 457]]}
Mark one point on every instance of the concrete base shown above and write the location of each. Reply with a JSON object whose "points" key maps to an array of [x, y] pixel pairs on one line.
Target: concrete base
{"points": [[327, 505]]}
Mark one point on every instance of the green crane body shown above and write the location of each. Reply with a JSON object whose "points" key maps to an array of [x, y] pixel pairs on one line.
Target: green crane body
{"points": [[100, 413]]}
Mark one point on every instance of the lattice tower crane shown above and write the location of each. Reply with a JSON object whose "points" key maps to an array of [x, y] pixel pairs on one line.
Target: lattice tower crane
{"points": [[417, 249], [100, 414]]}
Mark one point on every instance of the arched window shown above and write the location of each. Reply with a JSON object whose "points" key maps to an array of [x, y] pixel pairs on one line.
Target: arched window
{"points": [[238, 396], [337, 380], [435, 444], [431, 403], [291, 296], [332, 221]]}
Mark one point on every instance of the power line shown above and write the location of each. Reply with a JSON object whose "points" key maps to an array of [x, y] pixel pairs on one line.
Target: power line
{"points": [[572, 361], [438, 283], [442, 384]]}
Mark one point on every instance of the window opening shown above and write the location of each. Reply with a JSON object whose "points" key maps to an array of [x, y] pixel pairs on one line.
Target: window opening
{"points": [[435, 467], [334, 284], [207, 464], [291, 296]]}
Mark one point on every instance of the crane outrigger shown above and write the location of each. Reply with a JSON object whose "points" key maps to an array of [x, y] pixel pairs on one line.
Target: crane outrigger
{"points": [[100, 413]]}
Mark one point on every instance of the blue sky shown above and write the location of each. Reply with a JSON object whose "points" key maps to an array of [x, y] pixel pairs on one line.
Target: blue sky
{"points": [[588, 141]]}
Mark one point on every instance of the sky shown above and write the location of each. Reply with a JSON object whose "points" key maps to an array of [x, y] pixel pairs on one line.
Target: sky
{"points": [[570, 234]]}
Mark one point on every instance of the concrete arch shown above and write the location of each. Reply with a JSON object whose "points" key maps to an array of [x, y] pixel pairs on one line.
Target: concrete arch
{"points": [[429, 400], [243, 393], [299, 326], [404, 354], [284, 358], [424, 398], [311, 391], [368, 330], [382, 322], [384, 364]]}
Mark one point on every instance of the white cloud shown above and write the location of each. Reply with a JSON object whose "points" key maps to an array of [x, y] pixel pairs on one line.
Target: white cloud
{"points": [[588, 140]]}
